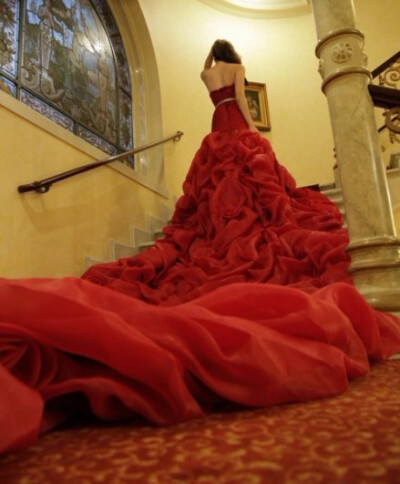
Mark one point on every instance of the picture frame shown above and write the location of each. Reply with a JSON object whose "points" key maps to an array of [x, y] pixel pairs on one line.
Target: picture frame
{"points": [[256, 96]]}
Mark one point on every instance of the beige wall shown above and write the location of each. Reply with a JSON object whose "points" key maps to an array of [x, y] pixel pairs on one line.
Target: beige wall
{"points": [[50, 234], [279, 52]]}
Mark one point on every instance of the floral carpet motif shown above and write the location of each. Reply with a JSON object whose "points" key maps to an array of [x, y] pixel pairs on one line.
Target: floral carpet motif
{"points": [[353, 438]]}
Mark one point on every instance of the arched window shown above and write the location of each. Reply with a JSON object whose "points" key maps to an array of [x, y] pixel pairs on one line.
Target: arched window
{"points": [[65, 59]]}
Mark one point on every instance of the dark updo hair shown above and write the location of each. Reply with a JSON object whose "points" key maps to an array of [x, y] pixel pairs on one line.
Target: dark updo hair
{"points": [[224, 51]]}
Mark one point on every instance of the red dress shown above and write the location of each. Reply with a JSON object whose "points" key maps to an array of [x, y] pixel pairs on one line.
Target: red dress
{"points": [[246, 299], [241, 219]]}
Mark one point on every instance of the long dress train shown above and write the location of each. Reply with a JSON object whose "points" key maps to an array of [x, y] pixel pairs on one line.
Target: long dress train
{"points": [[246, 299], [240, 219]]}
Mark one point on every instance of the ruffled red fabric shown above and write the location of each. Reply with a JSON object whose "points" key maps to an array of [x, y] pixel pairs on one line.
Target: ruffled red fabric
{"points": [[240, 219], [69, 347], [246, 300]]}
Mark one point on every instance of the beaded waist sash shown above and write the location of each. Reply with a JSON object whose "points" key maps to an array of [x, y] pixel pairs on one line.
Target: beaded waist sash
{"points": [[225, 101]]}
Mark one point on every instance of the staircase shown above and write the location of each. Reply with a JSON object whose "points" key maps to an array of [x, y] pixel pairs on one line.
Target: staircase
{"points": [[334, 192], [143, 238], [140, 238]]}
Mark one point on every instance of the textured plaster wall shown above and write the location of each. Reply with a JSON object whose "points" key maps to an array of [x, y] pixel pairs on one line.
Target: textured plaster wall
{"points": [[50, 234]]}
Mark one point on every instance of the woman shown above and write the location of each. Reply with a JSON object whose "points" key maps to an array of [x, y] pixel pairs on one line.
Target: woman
{"points": [[228, 74], [240, 301], [241, 217]]}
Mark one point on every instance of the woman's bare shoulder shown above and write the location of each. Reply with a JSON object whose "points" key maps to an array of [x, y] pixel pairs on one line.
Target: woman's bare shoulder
{"points": [[239, 68], [205, 73]]}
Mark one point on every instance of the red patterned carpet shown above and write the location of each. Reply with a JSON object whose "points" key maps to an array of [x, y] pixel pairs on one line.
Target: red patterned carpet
{"points": [[353, 438]]}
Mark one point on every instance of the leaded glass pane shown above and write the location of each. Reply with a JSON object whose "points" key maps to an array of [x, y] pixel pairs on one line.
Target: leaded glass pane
{"points": [[73, 67], [68, 61], [43, 108], [95, 140], [7, 86], [9, 23], [123, 68], [125, 124]]}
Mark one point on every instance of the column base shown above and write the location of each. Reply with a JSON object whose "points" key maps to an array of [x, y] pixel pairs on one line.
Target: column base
{"points": [[375, 268]]}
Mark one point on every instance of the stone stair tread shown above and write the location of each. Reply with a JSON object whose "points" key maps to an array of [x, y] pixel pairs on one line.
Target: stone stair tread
{"points": [[327, 186], [140, 238], [121, 249], [159, 234], [146, 245], [332, 191], [91, 261]]}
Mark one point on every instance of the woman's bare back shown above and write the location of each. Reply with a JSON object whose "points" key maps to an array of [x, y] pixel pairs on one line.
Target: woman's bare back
{"points": [[221, 74]]}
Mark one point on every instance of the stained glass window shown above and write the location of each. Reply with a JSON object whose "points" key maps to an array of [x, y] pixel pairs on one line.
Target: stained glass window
{"points": [[65, 59]]}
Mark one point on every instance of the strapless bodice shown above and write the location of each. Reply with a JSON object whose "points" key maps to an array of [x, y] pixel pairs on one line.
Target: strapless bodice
{"points": [[222, 93], [227, 115]]}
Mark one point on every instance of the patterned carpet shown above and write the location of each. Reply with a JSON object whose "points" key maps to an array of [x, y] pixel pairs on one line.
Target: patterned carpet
{"points": [[353, 438]]}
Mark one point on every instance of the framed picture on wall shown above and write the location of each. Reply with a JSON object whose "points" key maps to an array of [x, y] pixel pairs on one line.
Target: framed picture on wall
{"points": [[256, 95]]}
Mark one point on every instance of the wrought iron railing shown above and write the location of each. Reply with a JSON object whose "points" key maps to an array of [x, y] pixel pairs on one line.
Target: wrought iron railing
{"points": [[386, 95], [43, 186], [385, 65]]}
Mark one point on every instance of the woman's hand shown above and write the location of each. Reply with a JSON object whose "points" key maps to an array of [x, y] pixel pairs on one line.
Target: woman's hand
{"points": [[209, 59]]}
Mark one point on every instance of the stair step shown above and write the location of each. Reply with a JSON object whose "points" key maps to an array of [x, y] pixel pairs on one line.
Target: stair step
{"points": [[119, 249], [159, 234], [91, 261], [334, 192], [154, 224], [337, 198], [146, 245], [140, 236], [327, 186]]}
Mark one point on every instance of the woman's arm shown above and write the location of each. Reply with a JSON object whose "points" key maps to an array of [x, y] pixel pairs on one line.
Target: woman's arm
{"points": [[209, 60], [208, 63], [240, 96]]}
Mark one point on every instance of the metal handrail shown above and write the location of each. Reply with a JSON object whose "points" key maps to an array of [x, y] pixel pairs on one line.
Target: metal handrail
{"points": [[395, 118], [378, 70], [43, 186]]}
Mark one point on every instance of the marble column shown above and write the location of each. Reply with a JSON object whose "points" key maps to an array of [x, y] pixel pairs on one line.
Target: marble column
{"points": [[374, 247]]}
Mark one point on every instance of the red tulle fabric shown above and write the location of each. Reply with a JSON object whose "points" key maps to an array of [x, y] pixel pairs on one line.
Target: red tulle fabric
{"points": [[246, 299], [240, 219]]}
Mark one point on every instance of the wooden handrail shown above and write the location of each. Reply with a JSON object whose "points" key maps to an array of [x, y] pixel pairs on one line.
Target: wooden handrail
{"points": [[384, 97], [43, 186]]}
